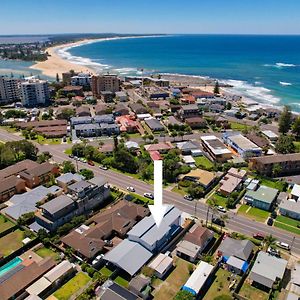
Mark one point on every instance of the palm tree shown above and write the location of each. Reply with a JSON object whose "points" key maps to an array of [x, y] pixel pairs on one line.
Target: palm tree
{"points": [[269, 241]]}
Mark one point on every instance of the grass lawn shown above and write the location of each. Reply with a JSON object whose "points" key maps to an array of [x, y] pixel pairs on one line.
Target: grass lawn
{"points": [[254, 213], [239, 126], [9, 129], [180, 191], [41, 140], [134, 135], [72, 286], [106, 271], [287, 227], [172, 284], [121, 281], [251, 292], [220, 285], [141, 198], [5, 224], [202, 161], [279, 185], [288, 221], [68, 151], [46, 252], [218, 200], [297, 146], [11, 242]]}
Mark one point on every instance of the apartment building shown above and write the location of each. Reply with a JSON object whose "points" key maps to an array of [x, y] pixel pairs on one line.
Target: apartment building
{"points": [[34, 92], [105, 83], [81, 79], [9, 89]]}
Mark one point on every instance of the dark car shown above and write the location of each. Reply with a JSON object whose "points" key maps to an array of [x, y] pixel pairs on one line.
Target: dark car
{"points": [[91, 163], [274, 214], [258, 236], [270, 221], [218, 221]]}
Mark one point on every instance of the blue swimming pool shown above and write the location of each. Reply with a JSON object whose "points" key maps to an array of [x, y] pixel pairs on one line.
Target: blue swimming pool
{"points": [[10, 265]]}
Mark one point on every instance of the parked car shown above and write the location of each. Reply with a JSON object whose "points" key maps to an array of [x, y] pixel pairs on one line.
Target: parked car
{"points": [[273, 252], [270, 221], [283, 245], [221, 209], [71, 156], [103, 167], [130, 189], [149, 195], [91, 163], [218, 221], [274, 214], [188, 197], [258, 236]]}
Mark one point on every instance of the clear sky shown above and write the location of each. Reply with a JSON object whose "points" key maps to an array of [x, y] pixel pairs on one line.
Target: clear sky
{"points": [[150, 16]]}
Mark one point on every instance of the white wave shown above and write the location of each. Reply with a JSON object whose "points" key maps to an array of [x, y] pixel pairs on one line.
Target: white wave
{"points": [[284, 83], [257, 93], [281, 65], [185, 75], [257, 83]]}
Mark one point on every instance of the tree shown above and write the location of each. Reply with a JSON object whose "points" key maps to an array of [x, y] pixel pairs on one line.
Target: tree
{"points": [[26, 218], [270, 241], [66, 114], [184, 295], [68, 167], [285, 120], [70, 96], [285, 144], [87, 173], [57, 77], [276, 170], [181, 134], [228, 106], [217, 88], [296, 127]]}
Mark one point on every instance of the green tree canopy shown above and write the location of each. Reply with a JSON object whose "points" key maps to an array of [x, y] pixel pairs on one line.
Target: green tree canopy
{"points": [[285, 120], [184, 295], [285, 144]]}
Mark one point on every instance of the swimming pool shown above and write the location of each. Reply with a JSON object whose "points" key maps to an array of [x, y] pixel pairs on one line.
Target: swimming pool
{"points": [[10, 265]]}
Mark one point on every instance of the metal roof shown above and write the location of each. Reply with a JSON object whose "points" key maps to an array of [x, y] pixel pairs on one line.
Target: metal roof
{"points": [[57, 204]]}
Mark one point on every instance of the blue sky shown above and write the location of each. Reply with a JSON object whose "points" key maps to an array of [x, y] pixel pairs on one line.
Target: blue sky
{"points": [[150, 16]]}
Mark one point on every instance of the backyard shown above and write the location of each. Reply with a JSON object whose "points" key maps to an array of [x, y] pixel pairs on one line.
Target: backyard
{"points": [[217, 199], [279, 185], [253, 213], [11, 242], [288, 224], [238, 126], [46, 252], [202, 161], [72, 286], [220, 285], [121, 281], [251, 292], [106, 271], [168, 288], [5, 224]]}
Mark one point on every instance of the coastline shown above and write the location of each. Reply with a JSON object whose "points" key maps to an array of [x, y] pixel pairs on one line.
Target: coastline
{"points": [[57, 64]]}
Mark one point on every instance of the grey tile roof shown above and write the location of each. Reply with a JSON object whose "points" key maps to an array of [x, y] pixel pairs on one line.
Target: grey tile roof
{"points": [[57, 204], [79, 186], [68, 177], [129, 256]]}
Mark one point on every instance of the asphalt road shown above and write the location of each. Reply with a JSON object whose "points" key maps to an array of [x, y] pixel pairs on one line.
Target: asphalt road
{"points": [[235, 222]]}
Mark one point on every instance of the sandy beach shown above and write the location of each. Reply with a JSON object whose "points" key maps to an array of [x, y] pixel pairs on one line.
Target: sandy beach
{"points": [[57, 65]]}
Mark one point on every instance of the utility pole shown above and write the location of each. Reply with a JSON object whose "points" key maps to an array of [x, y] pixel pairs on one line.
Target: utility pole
{"points": [[196, 203], [207, 213], [292, 244]]}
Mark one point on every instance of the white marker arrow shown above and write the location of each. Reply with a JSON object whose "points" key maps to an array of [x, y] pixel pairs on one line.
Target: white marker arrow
{"points": [[158, 210]]}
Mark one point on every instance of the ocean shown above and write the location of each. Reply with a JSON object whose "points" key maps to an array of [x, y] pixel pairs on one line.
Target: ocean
{"points": [[263, 68]]}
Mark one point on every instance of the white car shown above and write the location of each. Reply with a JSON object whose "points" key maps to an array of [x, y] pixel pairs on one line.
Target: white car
{"points": [[130, 189], [149, 195], [283, 245], [221, 209]]}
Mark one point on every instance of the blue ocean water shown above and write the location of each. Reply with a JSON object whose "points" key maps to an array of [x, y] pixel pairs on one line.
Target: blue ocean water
{"points": [[264, 68]]}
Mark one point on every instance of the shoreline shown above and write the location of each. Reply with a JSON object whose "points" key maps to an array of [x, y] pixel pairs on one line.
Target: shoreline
{"points": [[57, 64]]}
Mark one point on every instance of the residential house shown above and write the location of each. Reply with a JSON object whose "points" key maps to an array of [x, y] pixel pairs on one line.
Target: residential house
{"points": [[290, 207], [267, 270], [188, 111], [138, 108], [154, 124], [196, 122], [201, 177], [87, 130], [270, 135], [107, 96], [11, 186], [127, 123], [101, 109], [241, 145], [161, 147], [121, 110], [200, 279], [107, 118], [144, 239], [187, 147], [193, 243], [141, 286], [232, 181], [236, 254], [83, 111], [69, 89], [289, 164], [215, 148], [258, 140], [81, 197], [172, 121], [81, 120], [263, 198], [113, 291], [121, 96], [161, 265], [67, 179], [87, 241]]}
